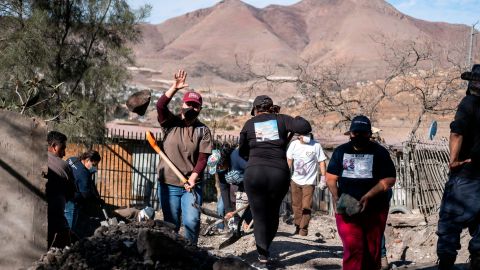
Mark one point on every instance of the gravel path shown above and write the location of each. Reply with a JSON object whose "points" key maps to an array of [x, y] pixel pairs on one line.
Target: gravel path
{"points": [[321, 249]]}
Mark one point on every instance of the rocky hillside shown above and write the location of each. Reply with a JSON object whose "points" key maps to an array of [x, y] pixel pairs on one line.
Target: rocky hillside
{"points": [[206, 42]]}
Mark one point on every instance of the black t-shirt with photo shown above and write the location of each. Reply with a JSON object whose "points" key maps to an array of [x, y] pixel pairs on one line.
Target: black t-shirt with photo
{"points": [[359, 171], [264, 139]]}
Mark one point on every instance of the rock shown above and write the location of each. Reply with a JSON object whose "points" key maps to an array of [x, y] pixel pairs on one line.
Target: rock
{"points": [[51, 258], [138, 102], [348, 205], [406, 220], [231, 263], [128, 213], [99, 231]]}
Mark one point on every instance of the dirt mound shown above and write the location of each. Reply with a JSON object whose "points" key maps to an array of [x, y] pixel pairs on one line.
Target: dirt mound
{"points": [[145, 245]]}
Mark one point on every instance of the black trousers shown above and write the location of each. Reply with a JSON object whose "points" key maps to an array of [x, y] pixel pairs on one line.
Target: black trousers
{"points": [[265, 187], [460, 209]]}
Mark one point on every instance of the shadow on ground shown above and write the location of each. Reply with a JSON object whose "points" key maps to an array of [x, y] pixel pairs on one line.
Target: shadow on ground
{"points": [[463, 266], [291, 253]]}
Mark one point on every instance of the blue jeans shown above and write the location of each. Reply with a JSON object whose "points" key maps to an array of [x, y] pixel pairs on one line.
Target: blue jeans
{"points": [[177, 201], [71, 214], [460, 209], [220, 211], [383, 248]]}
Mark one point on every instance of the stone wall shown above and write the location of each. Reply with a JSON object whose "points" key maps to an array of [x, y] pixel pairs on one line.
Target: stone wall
{"points": [[23, 206]]}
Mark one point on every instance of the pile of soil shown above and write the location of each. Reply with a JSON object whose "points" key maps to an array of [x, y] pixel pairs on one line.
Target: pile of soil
{"points": [[138, 245], [155, 245]]}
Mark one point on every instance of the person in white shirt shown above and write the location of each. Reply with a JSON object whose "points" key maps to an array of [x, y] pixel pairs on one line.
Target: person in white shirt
{"points": [[305, 156]]}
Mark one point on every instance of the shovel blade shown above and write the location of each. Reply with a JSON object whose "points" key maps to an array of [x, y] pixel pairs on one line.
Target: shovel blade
{"points": [[207, 212], [231, 240]]}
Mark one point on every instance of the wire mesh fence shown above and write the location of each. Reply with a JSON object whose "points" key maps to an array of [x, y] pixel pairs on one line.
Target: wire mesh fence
{"points": [[127, 173], [422, 171]]}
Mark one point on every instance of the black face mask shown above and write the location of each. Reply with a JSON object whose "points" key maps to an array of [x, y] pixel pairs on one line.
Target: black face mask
{"points": [[189, 113], [360, 141]]}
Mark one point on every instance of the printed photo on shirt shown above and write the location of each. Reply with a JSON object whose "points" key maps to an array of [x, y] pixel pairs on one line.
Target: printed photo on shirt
{"points": [[300, 167], [357, 166], [266, 131]]}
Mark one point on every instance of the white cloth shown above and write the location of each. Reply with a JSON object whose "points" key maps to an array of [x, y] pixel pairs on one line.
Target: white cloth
{"points": [[305, 161]]}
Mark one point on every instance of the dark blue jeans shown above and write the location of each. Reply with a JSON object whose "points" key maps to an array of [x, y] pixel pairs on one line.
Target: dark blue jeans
{"points": [[177, 201], [460, 209], [71, 214], [220, 211]]}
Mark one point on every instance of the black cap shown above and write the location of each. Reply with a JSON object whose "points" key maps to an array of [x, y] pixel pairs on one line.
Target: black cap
{"points": [[471, 76], [361, 123], [260, 100]]}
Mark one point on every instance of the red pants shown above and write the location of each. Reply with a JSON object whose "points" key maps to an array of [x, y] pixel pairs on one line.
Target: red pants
{"points": [[361, 237]]}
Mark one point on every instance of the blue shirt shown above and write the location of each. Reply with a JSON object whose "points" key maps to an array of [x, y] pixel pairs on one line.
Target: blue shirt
{"points": [[84, 181], [237, 162]]}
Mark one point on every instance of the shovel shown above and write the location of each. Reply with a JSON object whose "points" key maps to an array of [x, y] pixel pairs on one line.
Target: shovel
{"points": [[238, 233], [211, 213], [108, 221], [153, 143]]}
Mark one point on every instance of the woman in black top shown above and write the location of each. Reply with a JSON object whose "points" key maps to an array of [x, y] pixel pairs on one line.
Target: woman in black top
{"points": [[263, 142]]}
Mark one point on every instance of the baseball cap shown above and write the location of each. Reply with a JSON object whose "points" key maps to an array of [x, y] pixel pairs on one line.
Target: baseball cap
{"points": [[259, 100], [192, 97], [473, 78], [360, 123]]}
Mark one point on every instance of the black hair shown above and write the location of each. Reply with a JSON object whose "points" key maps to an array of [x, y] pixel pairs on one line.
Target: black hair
{"points": [[275, 109], [92, 155], [267, 106], [55, 137]]}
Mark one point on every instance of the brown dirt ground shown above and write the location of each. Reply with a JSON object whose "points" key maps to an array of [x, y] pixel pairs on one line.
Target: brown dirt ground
{"points": [[407, 247]]}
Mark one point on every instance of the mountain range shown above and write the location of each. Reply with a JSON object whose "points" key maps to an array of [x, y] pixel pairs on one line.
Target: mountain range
{"points": [[209, 42]]}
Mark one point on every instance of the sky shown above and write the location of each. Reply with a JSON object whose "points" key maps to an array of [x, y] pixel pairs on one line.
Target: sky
{"points": [[452, 11]]}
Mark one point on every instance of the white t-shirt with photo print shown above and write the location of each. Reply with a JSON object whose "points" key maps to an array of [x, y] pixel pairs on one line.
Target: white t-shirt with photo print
{"points": [[305, 161]]}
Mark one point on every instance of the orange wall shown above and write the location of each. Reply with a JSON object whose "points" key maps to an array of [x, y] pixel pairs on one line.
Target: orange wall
{"points": [[114, 177]]}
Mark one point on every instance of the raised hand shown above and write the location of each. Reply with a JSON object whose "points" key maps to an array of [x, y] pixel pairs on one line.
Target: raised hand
{"points": [[180, 78]]}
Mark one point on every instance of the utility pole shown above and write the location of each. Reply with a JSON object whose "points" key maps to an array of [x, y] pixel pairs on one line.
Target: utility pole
{"points": [[470, 56]]}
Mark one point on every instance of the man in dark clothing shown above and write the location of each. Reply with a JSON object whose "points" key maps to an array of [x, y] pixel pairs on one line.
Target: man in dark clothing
{"points": [[187, 142], [60, 188], [364, 173], [460, 206]]}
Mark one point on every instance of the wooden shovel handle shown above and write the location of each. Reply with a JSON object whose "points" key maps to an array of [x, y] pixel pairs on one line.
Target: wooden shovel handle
{"points": [[153, 143]]}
